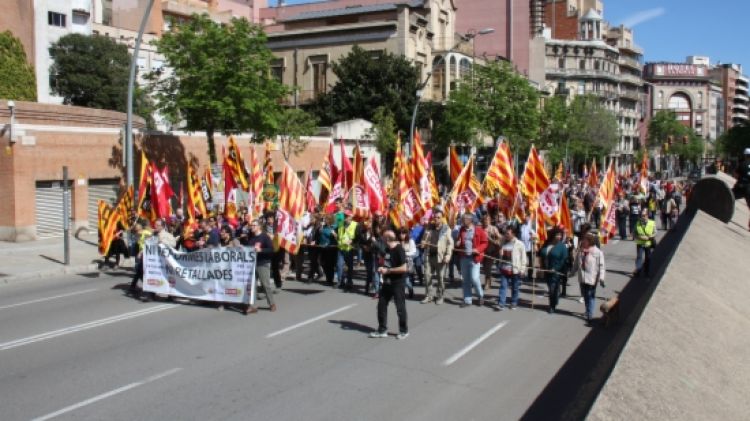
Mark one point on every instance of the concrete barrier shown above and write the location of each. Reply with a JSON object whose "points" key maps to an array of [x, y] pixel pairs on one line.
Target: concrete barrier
{"points": [[714, 196], [687, 356]]}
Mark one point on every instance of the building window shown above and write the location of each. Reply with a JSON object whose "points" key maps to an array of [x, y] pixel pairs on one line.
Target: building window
{"points": [[56, 19], [679, 102], [277, 70], [319, 66], [700, 99], [597, 65], [80, 18], [581, 89], [561, 63], [582, 65]]}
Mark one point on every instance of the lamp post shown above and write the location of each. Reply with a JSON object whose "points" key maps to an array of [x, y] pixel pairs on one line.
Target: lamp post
{"points": [[131, 87], [420, 90]]}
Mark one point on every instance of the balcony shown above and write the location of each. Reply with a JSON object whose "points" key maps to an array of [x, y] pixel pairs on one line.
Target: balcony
{"points": [[739, 89], [631, 79], [739, 106], [739, 116], [603, 93], [581, 73], [630, 62], [632, 48], [632, 95]]}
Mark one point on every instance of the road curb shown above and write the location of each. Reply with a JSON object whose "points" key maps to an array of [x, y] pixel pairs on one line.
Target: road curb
{"points": [[43, 274]]}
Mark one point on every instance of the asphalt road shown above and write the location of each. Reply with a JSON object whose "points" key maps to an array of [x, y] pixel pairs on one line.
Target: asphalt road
{"points": [[79, 348]]}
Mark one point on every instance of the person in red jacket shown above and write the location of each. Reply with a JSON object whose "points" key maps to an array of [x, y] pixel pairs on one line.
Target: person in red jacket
{"points": [[471, 244]]}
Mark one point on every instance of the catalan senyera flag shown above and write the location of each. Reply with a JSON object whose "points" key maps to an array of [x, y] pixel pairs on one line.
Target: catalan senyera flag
{"points": [[534, 180], [606, 197], [236, 164], [464, 193], [420, 177], [255, 194], [454, 164], [501, 177], [124, 206], [559, 172], [195, 195], [291, 207], [564, 217], [327, 175], [540, 227], [108, 219], [398, 157]]}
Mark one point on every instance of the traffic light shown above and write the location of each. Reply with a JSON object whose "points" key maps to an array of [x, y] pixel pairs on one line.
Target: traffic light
{"points": [[685, 140]]}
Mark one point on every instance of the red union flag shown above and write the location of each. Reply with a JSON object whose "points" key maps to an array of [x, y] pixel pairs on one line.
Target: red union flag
{"points": [[548, 201], [411, 205], [286, 229], [466, 199], [360, 202], [372, 184]]}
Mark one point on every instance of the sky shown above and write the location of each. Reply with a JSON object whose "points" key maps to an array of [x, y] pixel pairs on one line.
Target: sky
{"points": [[671, 30]]}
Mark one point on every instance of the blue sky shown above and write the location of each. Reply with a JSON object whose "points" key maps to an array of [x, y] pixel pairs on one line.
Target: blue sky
{"points": [[670, 30]]}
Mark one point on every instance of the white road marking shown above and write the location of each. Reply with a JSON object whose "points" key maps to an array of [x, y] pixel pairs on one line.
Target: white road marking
{"points": [[308, 321], [474, 344], [41, 300], [615, 241], [107, 395], [84, 326]]}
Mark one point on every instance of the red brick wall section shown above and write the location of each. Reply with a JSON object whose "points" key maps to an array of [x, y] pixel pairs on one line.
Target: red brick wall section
{"points": [[564, 27]]}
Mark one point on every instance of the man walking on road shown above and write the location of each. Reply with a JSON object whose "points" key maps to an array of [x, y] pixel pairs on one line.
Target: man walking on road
{"points": [[438, 247], [393, 273], [645, 235], [513, 264], [263, 246]]}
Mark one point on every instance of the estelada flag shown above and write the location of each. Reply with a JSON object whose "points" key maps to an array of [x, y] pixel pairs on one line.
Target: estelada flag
{"points": [[108, 219], [291, 207]]}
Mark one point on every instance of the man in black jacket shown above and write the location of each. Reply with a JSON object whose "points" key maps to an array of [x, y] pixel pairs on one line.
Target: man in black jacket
{"points": [[263, 246], [393, 272]]}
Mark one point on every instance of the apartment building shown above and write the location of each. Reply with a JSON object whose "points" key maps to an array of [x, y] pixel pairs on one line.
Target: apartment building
{"points": [[734, 88]]}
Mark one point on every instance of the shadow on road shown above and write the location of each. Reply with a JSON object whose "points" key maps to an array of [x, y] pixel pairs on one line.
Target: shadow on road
{"points": [[348, 325]]}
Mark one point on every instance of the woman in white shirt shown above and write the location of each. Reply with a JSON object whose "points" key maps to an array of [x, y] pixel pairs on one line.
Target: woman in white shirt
{"points": [[411, 252]]}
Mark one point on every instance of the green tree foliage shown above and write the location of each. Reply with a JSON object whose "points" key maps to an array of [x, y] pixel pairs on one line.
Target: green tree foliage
{"points": [[732, 144], [17, 79], [495, 101], [293, 124], [686, 144], [367, 81], [581, 130], [92, 71], [220, 79], [384, 130]]}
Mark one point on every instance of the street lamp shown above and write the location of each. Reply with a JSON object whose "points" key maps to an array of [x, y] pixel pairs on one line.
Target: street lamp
{"points": [[420, 91], [12, 108]]}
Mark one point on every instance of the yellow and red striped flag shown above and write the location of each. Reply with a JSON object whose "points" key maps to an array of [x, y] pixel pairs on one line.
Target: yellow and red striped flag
{"points": [[501, 177], [268, 164], [606, 197], [593, 180], [534, 180], [195, 195], [465, 193], [124, 206], [146, 208], [236, 164], [358, 167], [327, 175], [289, 212], [454, 164], [643, 178], [107, 224], [559, 173], [420, 177], [255, 202], [564, 216]]}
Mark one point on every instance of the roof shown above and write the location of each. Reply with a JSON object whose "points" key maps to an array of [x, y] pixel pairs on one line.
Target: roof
{"points": [[350, 10], [592, 15]]}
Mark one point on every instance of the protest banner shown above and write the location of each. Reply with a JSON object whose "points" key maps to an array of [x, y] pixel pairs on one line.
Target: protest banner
{"points": [[224, 274]]}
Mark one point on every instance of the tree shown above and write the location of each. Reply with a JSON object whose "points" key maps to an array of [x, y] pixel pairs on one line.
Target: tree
{"points": [[384, 130], [733, 143], [593, 129], [495, 101], [17, 78], [219, 79], [92, 71], [663, 125], [367, 81], [293, 124]]}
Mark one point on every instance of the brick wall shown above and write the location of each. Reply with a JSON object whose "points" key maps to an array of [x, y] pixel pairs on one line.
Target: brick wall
{"points": [[564, 26]]}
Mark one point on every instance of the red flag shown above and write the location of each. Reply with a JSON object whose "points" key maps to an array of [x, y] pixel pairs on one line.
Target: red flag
{"points": [[328, 174], [373, 186], [230, 186], [161, 192]]}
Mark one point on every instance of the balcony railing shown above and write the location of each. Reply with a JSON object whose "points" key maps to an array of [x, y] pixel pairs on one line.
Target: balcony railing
{"points": [[739, 106], [582, 73], [630, 94], [627, 61], [632, 79]]}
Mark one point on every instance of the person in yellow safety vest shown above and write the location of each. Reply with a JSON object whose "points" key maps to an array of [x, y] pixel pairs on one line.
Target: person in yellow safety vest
{"points": [[142, 234], [645, 241], [345, 236]]}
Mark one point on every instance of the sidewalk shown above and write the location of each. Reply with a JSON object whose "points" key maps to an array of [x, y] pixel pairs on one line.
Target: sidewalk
{"points": [[44, 258]]}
